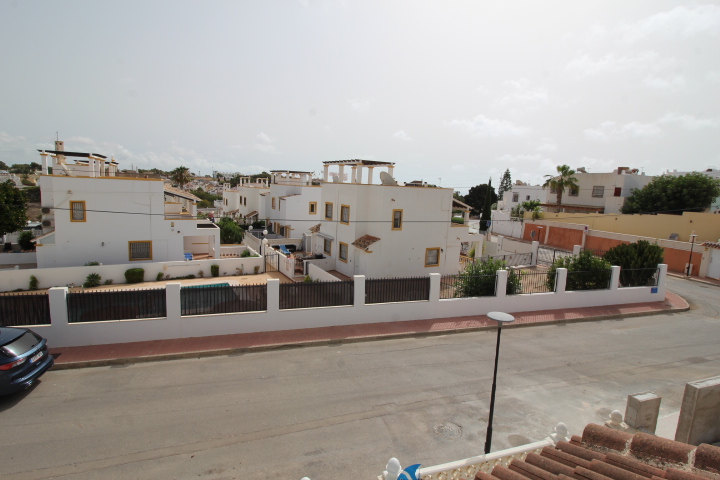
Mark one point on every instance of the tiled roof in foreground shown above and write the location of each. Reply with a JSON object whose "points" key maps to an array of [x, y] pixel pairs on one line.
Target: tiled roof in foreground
{"points": [[603, 453]]}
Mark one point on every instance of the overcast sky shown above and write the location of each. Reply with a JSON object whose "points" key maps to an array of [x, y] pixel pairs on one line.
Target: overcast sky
{"points": [[452, 92]]}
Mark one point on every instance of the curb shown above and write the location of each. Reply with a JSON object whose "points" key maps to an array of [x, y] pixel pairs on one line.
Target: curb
{"points": [[319, 343], [697, 280]]}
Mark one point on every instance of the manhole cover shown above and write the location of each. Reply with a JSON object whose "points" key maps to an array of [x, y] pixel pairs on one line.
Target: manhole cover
{"points": [[448, 430]]}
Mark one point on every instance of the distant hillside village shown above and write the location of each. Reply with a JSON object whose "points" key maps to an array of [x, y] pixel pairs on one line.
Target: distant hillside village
{"points": [[351, 218]]}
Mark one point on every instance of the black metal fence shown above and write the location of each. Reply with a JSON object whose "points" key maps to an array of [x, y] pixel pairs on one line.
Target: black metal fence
{"points": [[316, 294], [588, 280], [386, 290], [97, 306], [24, 309], [211, 299], [457, 286], [639, 277], [511, 260], [596, 252], [530, 282], [547, 256]]}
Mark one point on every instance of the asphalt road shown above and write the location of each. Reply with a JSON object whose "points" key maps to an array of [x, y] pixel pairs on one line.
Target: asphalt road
{"points": [[342, 411]]}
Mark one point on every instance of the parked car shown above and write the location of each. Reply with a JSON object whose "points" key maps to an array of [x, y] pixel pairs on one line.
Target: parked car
{"points": [[23, 358]]}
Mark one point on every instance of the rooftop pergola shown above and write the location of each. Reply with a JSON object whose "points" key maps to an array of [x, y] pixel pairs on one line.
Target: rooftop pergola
{"points": [[357, 166]]}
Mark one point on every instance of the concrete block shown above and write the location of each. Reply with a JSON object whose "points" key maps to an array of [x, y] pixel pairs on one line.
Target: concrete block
{"points": [[642, 411], [700, 412]]}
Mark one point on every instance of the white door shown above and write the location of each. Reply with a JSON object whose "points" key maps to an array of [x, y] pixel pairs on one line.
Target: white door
{"points": [[714, 266]]}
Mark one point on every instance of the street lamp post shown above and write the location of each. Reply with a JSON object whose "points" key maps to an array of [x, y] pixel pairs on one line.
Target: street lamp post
{"points": [[692, 245], [501, 318]]}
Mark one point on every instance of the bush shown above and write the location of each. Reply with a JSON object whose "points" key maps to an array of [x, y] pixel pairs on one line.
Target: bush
{"points": [[108, 281], [215, 270], [637, 261], [33, 283], [92, 264], [585, 272], [479, 279], [308, 279], [159, 276], [134, 275], [256, 269], [471, 253], [92, 280], [25, 240], [201, 274]]}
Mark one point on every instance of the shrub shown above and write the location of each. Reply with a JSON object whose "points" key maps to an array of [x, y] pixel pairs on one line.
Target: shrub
{"points": [[637, 261], [471, 253], [108, 281], [585, 272], [159, 276], [201, 274], [479, 279], [92, 280], [25, 240], [215, 270], [245, 253], [92, 264], [308, 279], [33, 283], [134, 275], [256, 269]]}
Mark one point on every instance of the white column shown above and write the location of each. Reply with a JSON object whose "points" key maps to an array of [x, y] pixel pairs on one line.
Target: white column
{"points": [[501, 289], [560, 280], [435, 287], [615, 278], [273, 295], [353, 174], [341, 174], [57, 296], [370, 175], [390, 171], [534, 251], [358, 176], [359, 291], [44, 161], [172, 301], [662, 280], [576, 250], [325, 172]]}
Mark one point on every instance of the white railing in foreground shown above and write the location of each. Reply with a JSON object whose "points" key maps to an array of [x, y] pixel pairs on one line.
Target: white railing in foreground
{"points": [[469, 467]]}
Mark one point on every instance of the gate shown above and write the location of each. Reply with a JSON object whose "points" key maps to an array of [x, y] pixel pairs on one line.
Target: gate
{"points": [[547, 256], [272, 261]]}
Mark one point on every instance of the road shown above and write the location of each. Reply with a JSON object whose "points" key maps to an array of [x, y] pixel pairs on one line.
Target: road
{"points": [[341, 411]]}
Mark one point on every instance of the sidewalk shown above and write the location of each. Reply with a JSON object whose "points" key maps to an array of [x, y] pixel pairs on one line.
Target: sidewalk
{"points": [[157, 350]]}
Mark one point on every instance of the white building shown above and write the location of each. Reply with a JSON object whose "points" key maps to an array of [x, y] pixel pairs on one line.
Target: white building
{"points": [[90, 214], [292, 206], [5, 176], [598, 192], [519, 193], [246, 199]]}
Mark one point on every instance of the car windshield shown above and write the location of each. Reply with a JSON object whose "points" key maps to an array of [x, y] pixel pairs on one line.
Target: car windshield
{"points": [[21, 345]]}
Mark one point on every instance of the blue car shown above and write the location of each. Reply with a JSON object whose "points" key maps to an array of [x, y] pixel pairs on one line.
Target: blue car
{"points": [[23, 358]]}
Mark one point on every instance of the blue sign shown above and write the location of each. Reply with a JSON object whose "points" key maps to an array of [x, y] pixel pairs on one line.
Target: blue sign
{"points": [[654, 290], [410, 473]]}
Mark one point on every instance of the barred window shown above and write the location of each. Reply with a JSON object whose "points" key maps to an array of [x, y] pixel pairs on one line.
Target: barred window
{"points": [[397, 219], [574, 191], [598, 192], [343, 254], [77, 211], [344, 214], [140, 250], [516, 196], [432, 257], [328, 211], [327, 246]]}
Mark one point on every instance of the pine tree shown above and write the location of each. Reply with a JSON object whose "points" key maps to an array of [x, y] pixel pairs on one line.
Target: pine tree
{"points": [[505, 184]]}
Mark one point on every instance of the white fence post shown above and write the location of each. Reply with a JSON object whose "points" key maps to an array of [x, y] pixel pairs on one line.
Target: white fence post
{"points": [[501, 288], [534, 252], [273, 295], [57, 296], [359, 291], [172, 301], [662, 279], [576, 250], [561, 280], [435, 287], [615, 278]]}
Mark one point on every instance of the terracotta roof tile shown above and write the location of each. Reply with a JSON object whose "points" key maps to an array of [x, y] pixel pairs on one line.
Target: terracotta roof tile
{"points": [[547, 464], [365, 241], [675, 474], [564, 458], [579, 451], [612, 471], [707, 457], [632, 465], [315, 228], [581, 473], [711, 244], [531, 471], [660, 450], [504, 473], [604, 438]]}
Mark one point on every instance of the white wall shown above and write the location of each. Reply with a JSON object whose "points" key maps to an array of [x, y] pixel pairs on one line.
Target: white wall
{"points": [[62, 334], [17, 258], [502, 224], [320, 275]]}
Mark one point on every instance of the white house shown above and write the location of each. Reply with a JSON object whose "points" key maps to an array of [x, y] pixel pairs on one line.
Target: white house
{"points": [[90, 214], [245, 200], [5, 176], [598, 192], [292, 206], [519, 193]]}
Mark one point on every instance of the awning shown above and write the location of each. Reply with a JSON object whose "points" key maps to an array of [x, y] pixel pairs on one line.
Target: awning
{"points": [[364, 242], [325, 235]]}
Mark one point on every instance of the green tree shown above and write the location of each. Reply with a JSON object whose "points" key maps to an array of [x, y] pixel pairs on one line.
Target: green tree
{"points": [[668, 194], [25, 240], [476, 197], [479, 279], [637, 261], [181, 176], [21, 168], [505, 184], [35, 166], [559, 183], [13, 208], [487, 210], [230, 232], [3, 165], [585, 272]]}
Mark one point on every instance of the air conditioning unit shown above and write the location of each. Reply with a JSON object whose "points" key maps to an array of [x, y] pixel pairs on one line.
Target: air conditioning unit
{"points": [[45, 210], [48, 223]]}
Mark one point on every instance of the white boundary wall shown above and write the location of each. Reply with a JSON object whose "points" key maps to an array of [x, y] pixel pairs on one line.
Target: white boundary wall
{"points": [[320, 275], [62, 334], [62, 276], [17, 258], [503, 225]]}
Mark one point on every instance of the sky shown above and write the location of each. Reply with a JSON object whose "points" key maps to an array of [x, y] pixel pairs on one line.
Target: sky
{"points": [[453, 92]]}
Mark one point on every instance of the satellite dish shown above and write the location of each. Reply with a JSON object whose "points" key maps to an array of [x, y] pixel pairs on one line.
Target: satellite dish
{"points": [[387, 179]]}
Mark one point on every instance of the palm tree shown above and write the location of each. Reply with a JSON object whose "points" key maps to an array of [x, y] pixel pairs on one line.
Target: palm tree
{"points": [[565, 180], [181, 176]]}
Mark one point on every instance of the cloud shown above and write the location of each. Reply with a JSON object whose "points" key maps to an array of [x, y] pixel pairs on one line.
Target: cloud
{"points": [[608, 131], [7, 139], [401, 135], [519, 94], [674, 82], [481, 126], [264, 143], [681, 21], [547, 145], [584, 66], [713, 77], [359, 105]]}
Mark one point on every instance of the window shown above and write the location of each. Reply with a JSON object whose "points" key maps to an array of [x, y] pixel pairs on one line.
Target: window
{"points": [[140, 250], [573, 192], [598, 192], [225, 201], [432, 257], [313, 208], [327, 246], [328, 211], [245, 201], [77, 211], [343, 254], [345, 214], [397, 219], [553, 190], [527, 197], [618, 191], [273, 203], [516, 197]]}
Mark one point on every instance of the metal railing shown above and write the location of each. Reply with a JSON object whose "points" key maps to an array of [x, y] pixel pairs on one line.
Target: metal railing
{"points": [[639, 277], [588, 280], [530, 282], [24, 309], [386, 290], [316, 294], [459, 286], [98, 306], [511, 260], [212, 299]]}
